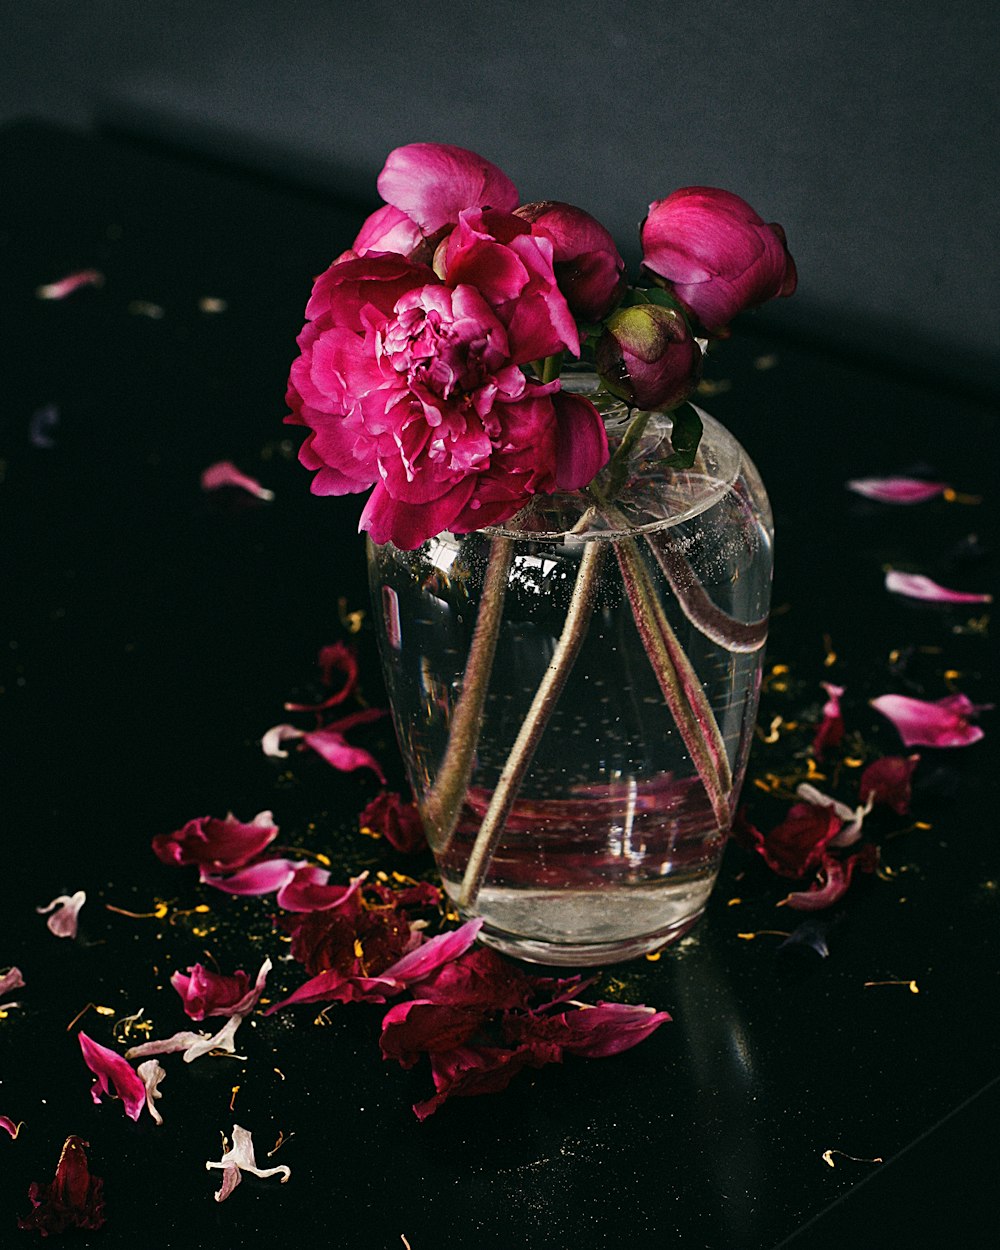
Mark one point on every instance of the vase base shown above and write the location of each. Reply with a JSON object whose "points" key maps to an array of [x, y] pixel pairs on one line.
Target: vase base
{"points": [[586, 954]]}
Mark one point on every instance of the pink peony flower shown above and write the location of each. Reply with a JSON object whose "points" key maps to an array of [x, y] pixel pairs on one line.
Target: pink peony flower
{"points": [[648, 357], [409, 380], [216, 845], [73, 1199], [946, 723], [588, 268], [716, 253]]}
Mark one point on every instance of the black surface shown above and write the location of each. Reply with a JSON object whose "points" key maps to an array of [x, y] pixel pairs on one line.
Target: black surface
{"points": [[154, 632]]}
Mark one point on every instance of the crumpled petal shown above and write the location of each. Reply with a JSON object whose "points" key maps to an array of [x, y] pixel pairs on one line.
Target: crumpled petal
{"points": [[307, 890], [830, 733], [207, 993], [11, 980], [193, 1045], [916, 586], [72, 1200], [433, 182], [798, 845], [833, 879], [8, 1125], [468, 1071], [217, 845], [853, 818], [225, 473], [330, 743], [944, 723], [272, 741], [896, 489], [397, 821], [151, 1073], [65, 909], [336, 658], [593, 1031], [264, 877], [239, 1158], [111, 1069], [887, 782]]}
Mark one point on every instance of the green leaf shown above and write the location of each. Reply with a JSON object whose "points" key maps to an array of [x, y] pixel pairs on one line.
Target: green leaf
{"points": [[684, 438]]}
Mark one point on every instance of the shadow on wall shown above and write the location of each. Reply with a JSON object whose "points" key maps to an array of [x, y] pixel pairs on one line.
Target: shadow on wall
{"points": [[866, 130]]}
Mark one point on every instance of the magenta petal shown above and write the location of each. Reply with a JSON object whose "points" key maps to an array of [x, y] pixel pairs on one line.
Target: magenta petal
{"points": [[432, 955], [111, 1069], [833, 879], [72, 282], [330, 743], [216, 844], [941, 724], [206, 993], [582, 450], [225, 473], [433, 182], [887, 782], [896, 489], [591, 1031], [263, 878], [307, 890], [916, 586], [8, 1125]]}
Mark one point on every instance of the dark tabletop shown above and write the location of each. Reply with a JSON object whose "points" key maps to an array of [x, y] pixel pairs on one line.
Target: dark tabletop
{"points": [[154, 631]]}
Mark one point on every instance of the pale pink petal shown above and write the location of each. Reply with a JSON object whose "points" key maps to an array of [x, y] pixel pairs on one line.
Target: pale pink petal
{"points": [[225, 473], [262, 878], [65, 910], [151, 1074], [272, 740], [432, 955], [11, 980], [193, 1045], [916, 586], [72, 282], [111, 1069], [896, 489], [945, 723], [240, 1158]]}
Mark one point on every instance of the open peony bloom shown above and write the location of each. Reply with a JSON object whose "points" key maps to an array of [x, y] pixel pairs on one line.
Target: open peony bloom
{"points": [[945, 723], [73, 1199], [239, 1158], [716, 253], [410, 377], [216, 845]]}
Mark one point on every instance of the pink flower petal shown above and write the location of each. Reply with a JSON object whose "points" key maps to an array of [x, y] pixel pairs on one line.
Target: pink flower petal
{"points": [[206, 993], [240, 1158], [151, 1073], [8, 1125], [262, 878], [217, 845], [65, 909], [336, 658], [111, 1069], [916, 586], [225, 473], [72, 282], [944, 723], [887, 782], [830, 733], [833, 879], [433, 182], [307, 890], [853, 818], [896, 489], [11, 980], [330, 743], [594, 1032]]}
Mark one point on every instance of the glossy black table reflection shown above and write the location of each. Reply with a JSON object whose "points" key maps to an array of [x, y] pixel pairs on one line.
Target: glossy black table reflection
{"points": [[154, 632]]}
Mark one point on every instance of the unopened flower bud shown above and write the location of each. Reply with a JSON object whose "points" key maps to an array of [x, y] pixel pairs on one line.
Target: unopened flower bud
{"points": [[648, 357], [589, 271]]}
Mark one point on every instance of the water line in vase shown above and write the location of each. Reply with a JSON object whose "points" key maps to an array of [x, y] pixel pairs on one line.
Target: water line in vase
{"points": [[546, 697]]}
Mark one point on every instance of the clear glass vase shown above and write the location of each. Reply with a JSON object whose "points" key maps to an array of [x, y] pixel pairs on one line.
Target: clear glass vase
{"points": [[574, 695]]}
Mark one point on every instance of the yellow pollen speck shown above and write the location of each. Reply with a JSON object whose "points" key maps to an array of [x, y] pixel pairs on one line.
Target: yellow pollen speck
{"points": [[236, 1090], [734, 902], [653, 956], [358, 949]]}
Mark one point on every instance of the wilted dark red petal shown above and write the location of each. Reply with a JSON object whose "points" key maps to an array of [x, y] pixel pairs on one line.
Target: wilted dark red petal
{"points": [[833, 880], [73, 1199], [415, 1028], [397, 821], [216, 844], [468, 1071], [797, 846], [479, 978], [888, 782]]}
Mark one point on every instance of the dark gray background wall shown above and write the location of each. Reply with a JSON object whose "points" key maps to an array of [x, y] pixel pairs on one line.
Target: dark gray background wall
{"points": [[868, 128]]}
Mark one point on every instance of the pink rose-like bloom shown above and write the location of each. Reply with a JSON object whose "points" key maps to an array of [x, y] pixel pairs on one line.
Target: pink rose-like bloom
{"points": [[648, 356], [216, 845], [587, 265], [716, 253], [409, 380], [945, 723]]}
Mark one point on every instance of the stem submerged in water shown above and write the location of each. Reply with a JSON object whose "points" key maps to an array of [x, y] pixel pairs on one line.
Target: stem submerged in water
{"points": [[443, 802], [546, 697]]}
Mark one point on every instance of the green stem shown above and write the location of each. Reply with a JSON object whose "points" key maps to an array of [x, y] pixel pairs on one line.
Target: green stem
{"points": [[442, 804], [546, 697], [552, 367]]}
